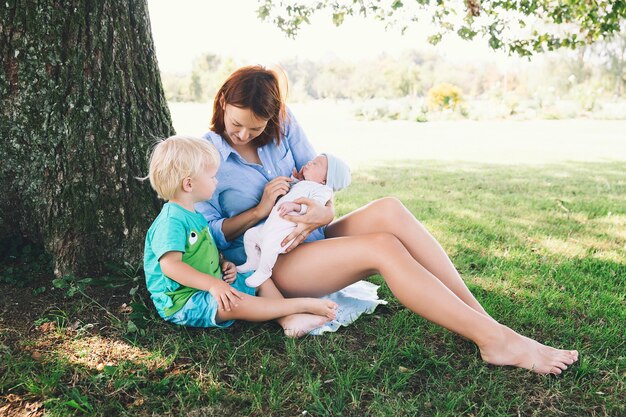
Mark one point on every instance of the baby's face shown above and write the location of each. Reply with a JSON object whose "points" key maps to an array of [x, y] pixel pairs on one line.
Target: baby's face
{"points": [[315, 170]]}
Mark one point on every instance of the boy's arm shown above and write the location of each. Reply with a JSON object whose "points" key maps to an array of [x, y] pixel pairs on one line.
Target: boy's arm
{"points": [[173, 266]]}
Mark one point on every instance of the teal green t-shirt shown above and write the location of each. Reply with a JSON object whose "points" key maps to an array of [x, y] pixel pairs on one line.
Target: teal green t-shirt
{"points": [[177, 229]]}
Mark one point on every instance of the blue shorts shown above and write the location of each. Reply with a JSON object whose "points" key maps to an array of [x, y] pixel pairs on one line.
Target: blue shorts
{"points": [[200, 310]]}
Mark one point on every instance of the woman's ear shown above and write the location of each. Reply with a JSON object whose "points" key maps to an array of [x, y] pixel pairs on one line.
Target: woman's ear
{"points": [[222, 102]]}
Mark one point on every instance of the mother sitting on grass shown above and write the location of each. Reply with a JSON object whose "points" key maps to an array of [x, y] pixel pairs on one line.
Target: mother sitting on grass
{"points": [[261, 146]]}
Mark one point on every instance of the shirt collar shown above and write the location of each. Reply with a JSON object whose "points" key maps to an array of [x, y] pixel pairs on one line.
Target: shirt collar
{"points": [[220, 144]]}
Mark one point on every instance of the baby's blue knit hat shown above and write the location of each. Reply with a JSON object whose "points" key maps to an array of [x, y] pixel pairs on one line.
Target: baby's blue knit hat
{"points": [[338, 175]]}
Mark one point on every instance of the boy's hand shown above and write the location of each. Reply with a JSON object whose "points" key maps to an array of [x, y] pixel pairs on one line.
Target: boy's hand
{"points": [[229, 271], [226, 296], [288, 207]]}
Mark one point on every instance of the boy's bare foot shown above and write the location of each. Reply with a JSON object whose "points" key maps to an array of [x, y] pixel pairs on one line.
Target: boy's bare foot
{"points": [[297, 325], [320, 307], [516, 350]]}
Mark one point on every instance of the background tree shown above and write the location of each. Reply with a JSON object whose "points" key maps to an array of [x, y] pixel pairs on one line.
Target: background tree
{"points": [[504, 23], [81, 102], [613, 51], [208, 73]]}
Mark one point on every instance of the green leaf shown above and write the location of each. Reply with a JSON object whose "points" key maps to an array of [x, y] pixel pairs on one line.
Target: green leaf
{"points": [[435, 39], [59, 283], [39, 290], [466, 33], [396, 4], [75, 405], [131, 327], [71, 291], [338, 18], [110, 370]]}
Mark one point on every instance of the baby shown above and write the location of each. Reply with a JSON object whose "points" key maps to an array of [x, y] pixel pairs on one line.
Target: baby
{"points": [[322, 176]]}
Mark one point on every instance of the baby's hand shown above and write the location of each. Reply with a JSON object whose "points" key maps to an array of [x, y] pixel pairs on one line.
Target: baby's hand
{"points": [[297, 174], [288, 207], [229, 271]]}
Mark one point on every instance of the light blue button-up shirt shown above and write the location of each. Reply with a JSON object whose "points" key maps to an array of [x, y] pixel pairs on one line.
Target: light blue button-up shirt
{"points": [[241, 183]]}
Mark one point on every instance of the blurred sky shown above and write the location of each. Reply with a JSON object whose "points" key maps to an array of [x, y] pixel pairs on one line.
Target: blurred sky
{"points": [[184, 29]]}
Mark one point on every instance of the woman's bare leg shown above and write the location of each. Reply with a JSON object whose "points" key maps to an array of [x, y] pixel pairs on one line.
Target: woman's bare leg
{"points": [[294, 325], [348, 259], [389, 215]]}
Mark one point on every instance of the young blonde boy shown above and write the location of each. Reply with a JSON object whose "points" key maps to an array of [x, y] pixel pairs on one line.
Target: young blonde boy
{"points": [[189, 283]]}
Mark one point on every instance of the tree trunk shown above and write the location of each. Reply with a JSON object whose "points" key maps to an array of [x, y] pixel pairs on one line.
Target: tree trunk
{"points": [[81, 104]]}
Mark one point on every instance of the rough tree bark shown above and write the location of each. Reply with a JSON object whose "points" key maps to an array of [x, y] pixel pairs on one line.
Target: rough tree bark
{"points": [[81, 102]]}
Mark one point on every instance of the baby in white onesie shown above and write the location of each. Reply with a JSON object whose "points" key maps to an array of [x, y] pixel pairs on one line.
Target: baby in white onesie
{"points": [[322, 176]]}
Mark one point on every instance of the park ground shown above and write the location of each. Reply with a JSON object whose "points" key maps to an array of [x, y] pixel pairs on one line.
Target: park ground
{"points": [[532, 213]]}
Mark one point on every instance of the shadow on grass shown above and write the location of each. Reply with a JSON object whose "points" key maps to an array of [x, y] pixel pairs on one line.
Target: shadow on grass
{"points": [[390, 361]]}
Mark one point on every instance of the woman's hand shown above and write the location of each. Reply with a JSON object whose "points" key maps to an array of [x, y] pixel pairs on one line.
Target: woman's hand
{"points": [[274, 189], [316, 216]]}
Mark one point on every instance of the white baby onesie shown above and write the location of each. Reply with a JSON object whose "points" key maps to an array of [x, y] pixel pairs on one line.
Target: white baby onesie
{"points": [[262, 242]]}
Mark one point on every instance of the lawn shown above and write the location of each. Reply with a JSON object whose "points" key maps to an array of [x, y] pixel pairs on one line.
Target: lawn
{"points": [[543, 248]]}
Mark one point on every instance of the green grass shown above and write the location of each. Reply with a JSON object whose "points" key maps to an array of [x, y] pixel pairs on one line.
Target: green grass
{"points": [[543, 248]]}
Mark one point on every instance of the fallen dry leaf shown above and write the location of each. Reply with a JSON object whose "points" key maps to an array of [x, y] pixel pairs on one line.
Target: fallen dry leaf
{"points": [[46, 327]]}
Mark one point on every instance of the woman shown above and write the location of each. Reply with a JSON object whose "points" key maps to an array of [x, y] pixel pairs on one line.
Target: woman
{"points": [[261, 144]]}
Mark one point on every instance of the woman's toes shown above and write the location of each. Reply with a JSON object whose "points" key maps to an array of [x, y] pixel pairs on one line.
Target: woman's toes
{"points": [[555, 371], [565, 358]]}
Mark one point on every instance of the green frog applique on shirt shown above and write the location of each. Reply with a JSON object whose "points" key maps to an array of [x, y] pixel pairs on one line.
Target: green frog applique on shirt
{"points": [[201, 254]]}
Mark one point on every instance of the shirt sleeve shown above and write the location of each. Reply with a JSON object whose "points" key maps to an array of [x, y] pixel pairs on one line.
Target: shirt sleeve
{"points": [[296, 140], [169, 236], [212, 211]]}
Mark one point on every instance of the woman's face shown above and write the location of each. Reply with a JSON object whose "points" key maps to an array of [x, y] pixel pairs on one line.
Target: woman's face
{"points": [[242, 125]]}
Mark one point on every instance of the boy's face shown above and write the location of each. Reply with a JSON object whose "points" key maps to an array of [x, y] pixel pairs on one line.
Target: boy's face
{"points": [[315, 170], [204, 184]]}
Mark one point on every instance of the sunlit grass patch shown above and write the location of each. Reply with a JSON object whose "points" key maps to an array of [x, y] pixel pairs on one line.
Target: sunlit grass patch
{"points": [[543, 249]]}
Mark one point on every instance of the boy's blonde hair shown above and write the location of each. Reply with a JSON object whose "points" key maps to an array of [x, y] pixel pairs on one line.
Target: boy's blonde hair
{"points": [[176, 158]]}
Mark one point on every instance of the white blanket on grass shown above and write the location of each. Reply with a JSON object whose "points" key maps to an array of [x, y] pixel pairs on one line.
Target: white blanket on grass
{"points": [[354, 300]]}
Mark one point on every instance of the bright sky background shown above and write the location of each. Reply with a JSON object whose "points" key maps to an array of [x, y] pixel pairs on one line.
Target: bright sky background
{"points": [[184, 29]]}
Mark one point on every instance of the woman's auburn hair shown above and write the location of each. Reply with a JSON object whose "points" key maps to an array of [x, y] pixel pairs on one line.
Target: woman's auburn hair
{"points": [[255, 88]]}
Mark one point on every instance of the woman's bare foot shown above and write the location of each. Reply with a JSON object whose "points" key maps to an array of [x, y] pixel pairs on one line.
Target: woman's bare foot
{"points": [[517, 350], [297, 325], [320, 307]]}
